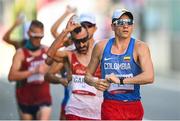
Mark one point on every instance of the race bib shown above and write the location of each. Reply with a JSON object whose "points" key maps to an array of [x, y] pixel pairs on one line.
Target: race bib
{"points": [[35, 78], [121, 89], [80, 87]]}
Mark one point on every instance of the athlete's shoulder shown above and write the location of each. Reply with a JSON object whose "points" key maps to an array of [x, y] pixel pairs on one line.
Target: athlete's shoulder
{"points": [[19, 53], [101, 43], [141, 46], [19, 50], [99, 48]]}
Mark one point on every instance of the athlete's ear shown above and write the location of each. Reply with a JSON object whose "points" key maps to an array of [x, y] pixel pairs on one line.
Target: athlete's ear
{"points": [[95, 28]]}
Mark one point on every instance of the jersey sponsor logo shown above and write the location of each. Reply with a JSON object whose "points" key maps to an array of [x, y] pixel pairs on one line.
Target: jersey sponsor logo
{"points": [[74, 64], [106, 59], [117, 66], [79, 71]]}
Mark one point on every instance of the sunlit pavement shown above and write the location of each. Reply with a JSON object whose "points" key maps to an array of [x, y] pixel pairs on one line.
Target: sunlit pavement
{"points": [[8, 110], [160, 100]]}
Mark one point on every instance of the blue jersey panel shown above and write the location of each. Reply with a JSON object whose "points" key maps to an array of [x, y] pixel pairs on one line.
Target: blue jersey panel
{"points": [[122, 65]]}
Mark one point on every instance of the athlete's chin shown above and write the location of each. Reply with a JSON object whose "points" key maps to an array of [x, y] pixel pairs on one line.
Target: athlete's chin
{"points": [[83, 52], [125, 36]]}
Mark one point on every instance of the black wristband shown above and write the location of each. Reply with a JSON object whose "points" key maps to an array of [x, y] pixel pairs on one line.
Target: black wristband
{"points": [[121, 80]]}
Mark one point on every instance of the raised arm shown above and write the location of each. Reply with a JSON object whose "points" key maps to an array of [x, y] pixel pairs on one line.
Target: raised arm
{"points": [[60, 40], [7, 35], [55, 26]]}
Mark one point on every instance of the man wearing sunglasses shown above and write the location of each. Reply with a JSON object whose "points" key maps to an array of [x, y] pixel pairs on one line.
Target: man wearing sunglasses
{"points": [[126, 64], [85, 101], [27, 70]]}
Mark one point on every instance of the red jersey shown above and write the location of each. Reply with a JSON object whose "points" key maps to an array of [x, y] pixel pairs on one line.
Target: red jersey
{"points": [[33, 90], [85, 100], [78, 72]]}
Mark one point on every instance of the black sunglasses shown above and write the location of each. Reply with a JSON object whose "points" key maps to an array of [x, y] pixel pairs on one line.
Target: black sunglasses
{"points": [[83, 40]]}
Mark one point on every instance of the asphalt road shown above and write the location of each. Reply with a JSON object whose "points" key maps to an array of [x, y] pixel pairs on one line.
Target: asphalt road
{"points": [[159, 103], [8, 109]]}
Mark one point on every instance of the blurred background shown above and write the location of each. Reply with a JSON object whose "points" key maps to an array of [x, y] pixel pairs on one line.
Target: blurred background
{"points": [[156, 22]]}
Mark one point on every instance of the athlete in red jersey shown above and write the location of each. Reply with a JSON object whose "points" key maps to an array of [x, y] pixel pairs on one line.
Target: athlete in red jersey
{"points": [[85, 101], [28, 69]]}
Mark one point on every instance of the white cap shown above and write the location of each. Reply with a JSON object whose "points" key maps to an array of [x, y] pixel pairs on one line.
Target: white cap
{"points": [[119, 12], [88, 17]]}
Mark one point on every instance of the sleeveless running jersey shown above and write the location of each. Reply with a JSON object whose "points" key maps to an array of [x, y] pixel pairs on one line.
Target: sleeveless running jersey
{"points": [[122, 65], [85, 101], [78, 84], [33, 90]]}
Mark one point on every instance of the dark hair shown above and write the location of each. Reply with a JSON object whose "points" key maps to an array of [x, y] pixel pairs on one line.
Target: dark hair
{"points": [[36, 23]]}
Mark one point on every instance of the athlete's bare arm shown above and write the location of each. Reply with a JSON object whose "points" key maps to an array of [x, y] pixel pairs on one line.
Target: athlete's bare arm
{"points": [[55, 26], [60, 40], [58, 43], [143, 57], [7, 35], [15, 74], [53, 76], [100, 84]]}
